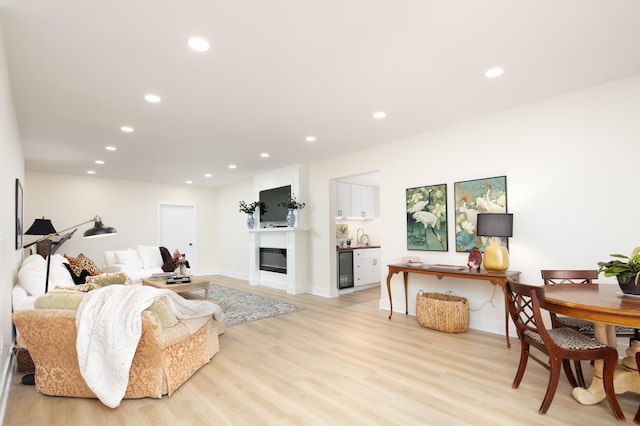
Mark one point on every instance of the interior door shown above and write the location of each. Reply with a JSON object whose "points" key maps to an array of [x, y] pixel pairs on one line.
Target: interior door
{"points": [[178, 229]]}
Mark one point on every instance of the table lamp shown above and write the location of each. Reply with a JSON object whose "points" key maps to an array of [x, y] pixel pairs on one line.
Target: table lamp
{"points": [[495, 226], [41, 227]]}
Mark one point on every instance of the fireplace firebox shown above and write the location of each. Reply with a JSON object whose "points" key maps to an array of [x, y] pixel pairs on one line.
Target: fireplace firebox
{"points": [[273, 260]]}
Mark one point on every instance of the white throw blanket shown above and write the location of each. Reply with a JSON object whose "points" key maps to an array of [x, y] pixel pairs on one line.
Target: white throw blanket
{"points": [[109, 327]]}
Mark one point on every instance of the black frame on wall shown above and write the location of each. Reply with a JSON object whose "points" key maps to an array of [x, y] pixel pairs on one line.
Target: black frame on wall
{"points": [[19, 214]]}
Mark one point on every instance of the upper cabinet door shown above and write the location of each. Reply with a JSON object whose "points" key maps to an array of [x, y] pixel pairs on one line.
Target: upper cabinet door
{"points": [[343, 199], [363, 201]]}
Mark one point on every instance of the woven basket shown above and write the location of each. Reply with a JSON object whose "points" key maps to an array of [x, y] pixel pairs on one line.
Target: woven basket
{"points": [[442, 312], [25, 363]]}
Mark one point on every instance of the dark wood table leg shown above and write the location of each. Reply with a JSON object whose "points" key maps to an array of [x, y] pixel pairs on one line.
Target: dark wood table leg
{"points": [[506, 314], [391, 273], [406, 304]]}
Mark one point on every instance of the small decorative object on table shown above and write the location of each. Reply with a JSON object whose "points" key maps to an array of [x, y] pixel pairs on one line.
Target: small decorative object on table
{"points": [[627, 272], [181, 261], [292, 205], [178, 280], [250, 209], [475, 259]]}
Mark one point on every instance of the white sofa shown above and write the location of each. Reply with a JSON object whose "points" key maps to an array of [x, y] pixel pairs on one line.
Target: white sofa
{"points": [[32, 276], [137, 263]]}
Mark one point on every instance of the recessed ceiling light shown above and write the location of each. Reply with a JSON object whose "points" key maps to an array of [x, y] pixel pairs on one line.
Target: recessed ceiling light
{"points": [[188, 182], [110, 148], [99, 162], [198, 44], [379, 115], [310, 138], [127, 129], [494, 72], [91, 172], [154, 99], [264, 155], [208, 175], [232, 166]]}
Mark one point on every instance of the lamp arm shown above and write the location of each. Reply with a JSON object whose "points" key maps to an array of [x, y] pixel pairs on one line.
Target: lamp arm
{"points": [[50, 236]]}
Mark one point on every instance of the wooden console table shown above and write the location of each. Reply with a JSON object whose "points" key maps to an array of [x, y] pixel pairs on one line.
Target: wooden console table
{"points": [[495, 278]]}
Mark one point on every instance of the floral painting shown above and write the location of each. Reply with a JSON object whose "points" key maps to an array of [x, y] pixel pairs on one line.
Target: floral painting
{"points": [[427, 218], [487, 195]]}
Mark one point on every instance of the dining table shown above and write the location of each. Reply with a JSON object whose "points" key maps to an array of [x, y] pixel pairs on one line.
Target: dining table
{"points": [[606, 306]]}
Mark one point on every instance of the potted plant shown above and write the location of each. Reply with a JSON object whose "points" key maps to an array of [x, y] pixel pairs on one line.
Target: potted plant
{"points": [[292, 204], [249, 209], [627, 271]]}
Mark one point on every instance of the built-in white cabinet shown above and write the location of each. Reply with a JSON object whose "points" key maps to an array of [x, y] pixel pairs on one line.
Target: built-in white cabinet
{"points": [[366, 266], [355, 201], [363, 201], [343, 199]]}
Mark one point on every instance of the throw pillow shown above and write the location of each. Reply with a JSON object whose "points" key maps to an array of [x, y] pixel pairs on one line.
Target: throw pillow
{"points": [[110, 258], [150, 256], [33, 272], [164, 312], [103, 280], [81, 262], [77, 278], [129, 258], [59, 300]]}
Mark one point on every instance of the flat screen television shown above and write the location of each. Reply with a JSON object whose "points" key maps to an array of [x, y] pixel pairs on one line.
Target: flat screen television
{"points": [[270, 198]]}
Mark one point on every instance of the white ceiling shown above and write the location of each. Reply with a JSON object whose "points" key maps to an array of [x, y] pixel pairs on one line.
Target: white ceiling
{"points": [[281, 70]]}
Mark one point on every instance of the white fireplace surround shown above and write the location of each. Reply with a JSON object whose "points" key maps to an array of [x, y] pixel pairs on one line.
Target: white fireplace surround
{"points": [[295, 241]]}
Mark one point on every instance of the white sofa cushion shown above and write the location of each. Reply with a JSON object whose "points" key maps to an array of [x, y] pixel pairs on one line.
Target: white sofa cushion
{"points": [[110, 258], [129, 258], [150, 255], [33, 272]]}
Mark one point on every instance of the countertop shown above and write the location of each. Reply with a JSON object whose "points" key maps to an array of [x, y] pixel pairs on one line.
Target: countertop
{"points": [[346, 248]]}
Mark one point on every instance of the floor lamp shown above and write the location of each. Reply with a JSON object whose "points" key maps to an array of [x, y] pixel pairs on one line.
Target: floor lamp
{"points": [[40, 225], [44, 227]]}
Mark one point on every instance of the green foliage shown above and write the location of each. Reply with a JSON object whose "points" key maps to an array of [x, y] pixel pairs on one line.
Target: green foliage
{"points": [[249, 208], [625, 270], [292, 204]]}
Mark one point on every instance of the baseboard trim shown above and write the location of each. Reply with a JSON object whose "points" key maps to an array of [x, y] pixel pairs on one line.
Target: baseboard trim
{"points": [[6, 386]]}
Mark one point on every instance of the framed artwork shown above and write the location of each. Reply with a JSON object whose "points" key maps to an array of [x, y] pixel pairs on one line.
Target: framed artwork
{"points": [[487, 195], [19, 218], [342, 231], [427, 218]]}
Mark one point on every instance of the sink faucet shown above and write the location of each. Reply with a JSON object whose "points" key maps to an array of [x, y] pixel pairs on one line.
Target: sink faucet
{"points": [[358, 236]]}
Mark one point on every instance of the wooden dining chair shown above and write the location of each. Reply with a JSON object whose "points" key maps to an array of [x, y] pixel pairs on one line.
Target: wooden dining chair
{"points": [[636, 419], [578, 276], [560, 345]]}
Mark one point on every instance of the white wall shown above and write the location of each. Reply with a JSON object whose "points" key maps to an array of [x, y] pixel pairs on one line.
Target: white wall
{"points": [[571, 174], [11, 167], [128, 206], [571, 167], [233, 236]]}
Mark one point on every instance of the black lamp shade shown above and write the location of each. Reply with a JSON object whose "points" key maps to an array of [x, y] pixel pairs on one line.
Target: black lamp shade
{"points": [[494, 225], [41, 227], [99, 230]]}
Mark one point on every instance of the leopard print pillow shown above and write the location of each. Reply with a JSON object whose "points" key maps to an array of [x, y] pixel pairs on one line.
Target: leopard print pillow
{"points": [[77, 264]]}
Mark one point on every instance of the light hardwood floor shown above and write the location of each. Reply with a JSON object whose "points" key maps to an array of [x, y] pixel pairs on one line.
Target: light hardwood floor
{"points": [[338, 362]]}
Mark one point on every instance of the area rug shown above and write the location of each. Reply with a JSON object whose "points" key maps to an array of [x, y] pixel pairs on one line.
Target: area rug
{"points": [[242, 306]]}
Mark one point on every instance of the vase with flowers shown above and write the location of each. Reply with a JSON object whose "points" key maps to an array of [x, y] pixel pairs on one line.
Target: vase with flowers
{"points": [[249, 209], [292, 204], [180, 259], [627, 271]]}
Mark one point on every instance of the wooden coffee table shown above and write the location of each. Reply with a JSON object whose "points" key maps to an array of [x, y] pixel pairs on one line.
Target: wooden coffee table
{"points": [[197, 283]]}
